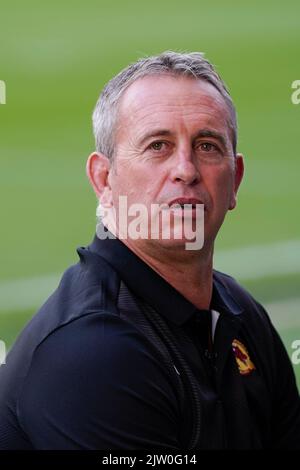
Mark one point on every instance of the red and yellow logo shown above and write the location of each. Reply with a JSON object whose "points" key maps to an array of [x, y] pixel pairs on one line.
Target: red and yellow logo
{"points": [[242, 358]]}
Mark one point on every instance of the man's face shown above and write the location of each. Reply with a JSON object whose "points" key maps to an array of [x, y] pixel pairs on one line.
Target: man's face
{"points": [[174, 141]]}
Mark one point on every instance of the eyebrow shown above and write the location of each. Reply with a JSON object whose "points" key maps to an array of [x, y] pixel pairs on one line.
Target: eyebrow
{"points": [[211, 133], [199, 134], [155, 133]]}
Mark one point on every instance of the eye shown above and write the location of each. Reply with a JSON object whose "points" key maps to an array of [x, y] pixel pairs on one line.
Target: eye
{"points": [[209, 152], [158, 145], [208, 147]]}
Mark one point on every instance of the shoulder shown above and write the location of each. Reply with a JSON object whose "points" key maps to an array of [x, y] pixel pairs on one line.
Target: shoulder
{"points": [[91, 347], [92, 335], [242, 297], [252, 317], [84, 288], [92, 377], [81, 305], [257, 327]]}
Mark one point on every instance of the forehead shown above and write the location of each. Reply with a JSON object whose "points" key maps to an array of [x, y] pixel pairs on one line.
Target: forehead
{"points": [[170, 100]]}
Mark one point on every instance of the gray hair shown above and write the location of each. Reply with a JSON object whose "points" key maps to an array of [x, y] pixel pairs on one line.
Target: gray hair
{"points": [[191, 64]]}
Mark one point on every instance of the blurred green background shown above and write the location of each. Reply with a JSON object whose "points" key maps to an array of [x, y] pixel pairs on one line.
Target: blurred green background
{"points": [[55, 59]]}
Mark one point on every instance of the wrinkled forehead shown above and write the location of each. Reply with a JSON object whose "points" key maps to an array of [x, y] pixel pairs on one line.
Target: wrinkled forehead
{"points": [[167, 97]]}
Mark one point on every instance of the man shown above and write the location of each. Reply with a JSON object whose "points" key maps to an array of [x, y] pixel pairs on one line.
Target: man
{"points": [[143, 345]]}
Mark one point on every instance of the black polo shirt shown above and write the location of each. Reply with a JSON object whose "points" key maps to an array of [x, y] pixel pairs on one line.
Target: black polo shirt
{"points": [[82, 376]]}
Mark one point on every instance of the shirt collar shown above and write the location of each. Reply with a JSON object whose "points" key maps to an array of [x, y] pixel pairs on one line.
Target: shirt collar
{"points": [[147, 284]]}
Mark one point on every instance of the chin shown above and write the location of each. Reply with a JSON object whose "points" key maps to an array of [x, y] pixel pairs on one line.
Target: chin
{"points": [[180, 245]]}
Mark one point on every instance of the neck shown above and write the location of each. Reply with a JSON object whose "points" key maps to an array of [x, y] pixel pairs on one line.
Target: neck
{"points": [[190, 273]]}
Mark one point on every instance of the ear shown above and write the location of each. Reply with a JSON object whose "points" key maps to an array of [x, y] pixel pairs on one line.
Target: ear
{"points": [[97, 168], [238, 176]]}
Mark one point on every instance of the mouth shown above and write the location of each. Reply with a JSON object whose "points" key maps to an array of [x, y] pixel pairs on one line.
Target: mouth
{"points": [[181, 202]]}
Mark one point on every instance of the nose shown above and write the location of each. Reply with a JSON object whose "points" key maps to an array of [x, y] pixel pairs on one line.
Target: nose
{"points": [[184, 170]]}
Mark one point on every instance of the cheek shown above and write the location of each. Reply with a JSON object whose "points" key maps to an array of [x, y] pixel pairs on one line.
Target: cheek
{"points": [[220, 185], [136, 186], [145, 182]]}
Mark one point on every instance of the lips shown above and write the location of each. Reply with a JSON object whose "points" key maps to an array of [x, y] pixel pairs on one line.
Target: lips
{"points": [[181, 201]]}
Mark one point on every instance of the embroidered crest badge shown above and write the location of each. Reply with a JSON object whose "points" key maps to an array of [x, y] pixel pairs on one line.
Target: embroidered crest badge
{"points": [[242, 358]]}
